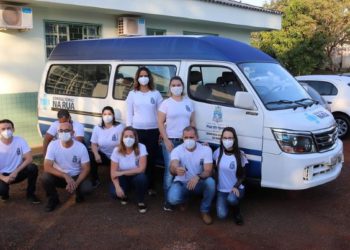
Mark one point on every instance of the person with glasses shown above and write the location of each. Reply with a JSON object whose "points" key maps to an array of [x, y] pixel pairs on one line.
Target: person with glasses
{"points": [[66, 165], [63, 116], [230, 162], [142, 106], [174, 114]]}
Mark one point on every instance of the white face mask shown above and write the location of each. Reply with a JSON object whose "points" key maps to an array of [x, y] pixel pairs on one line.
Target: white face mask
{"points": [[64, 136], [143, 80], [176, 91], [107, 118], [7, 134], [190, 143], [129, 141], [228, 143]]}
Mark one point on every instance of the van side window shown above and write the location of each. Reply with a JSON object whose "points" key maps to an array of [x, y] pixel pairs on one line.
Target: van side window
{"points": [[124, 79], [213, 84], [322, 87], [86, 80]]}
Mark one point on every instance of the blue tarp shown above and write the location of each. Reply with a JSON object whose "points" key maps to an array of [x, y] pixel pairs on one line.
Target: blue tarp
{"points": [[160, 48]]}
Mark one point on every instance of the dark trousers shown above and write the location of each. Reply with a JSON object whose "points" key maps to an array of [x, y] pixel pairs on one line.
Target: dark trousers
{"points": [[94, 165], [150, 137], [50, 182], [139, 181], [30, 172]]}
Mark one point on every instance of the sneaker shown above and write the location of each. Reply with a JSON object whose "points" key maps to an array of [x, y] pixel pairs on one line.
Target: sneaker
{"points": [[152, 192], [207, 218], [5, 198], [51, 205], [238, 219], [168, 207], [142, 208], [96, 183], [124, 200], [79, 199], [33, 199]]}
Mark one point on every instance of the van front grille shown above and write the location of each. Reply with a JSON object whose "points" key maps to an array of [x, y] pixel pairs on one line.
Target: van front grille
{"points": [[326, 139]]}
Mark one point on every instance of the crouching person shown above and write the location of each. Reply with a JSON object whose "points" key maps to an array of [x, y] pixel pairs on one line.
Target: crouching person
{"points": [[66, 165], [191, 164], [15, 162]]}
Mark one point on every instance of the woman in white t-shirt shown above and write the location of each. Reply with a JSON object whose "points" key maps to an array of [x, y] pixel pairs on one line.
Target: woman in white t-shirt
{"points": [[105, 137], [128, 164], [230, 162], [174, 114], [142, 106]]}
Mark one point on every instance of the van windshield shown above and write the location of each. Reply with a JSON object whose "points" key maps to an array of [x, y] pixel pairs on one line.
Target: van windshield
{"points": [[276, 88]]}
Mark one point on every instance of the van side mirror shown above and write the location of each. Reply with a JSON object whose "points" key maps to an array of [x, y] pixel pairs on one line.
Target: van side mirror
{"points": [[244, 100]]}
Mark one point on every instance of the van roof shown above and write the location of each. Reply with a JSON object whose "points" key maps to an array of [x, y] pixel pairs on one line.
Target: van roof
{"points": [[160, 48]]}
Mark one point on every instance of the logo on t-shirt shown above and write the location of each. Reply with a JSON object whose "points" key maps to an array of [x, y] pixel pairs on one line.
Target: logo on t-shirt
{"points": [[201, 163], [75, 159], [18, 151], [232, 165], [152, 100], [188, 108], [114, 138], [137, 162]]}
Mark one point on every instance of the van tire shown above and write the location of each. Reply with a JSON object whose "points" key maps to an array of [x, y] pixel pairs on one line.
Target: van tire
{"points": [[343, 124]]}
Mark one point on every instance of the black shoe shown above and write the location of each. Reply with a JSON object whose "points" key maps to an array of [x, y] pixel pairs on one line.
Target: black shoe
{"points": [[124, 200], [51, 205], [168, 207], [5, 198], [152, 192], [238, 219], [79, 199], [142, 207], [33, 199]]}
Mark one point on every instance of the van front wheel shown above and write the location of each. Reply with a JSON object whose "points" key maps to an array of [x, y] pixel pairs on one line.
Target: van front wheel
{"points": [[343, 125]]}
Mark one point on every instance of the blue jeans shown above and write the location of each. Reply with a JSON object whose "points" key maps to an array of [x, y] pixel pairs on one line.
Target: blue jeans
{"points": [[168, 178], [139, 181], [223, 200], [178, 193]]}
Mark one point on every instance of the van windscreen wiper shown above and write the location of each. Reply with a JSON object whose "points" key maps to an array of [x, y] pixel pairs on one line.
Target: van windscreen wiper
{"points": [[281, 102]]}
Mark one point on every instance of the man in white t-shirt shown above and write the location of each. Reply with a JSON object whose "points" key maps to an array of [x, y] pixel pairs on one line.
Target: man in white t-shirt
{"points": [[191, 164], [63, 116], [66, 165], [15, 162]]}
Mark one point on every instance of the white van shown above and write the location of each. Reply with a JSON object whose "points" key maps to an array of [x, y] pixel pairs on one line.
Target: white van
{"points": [[291, 141]]}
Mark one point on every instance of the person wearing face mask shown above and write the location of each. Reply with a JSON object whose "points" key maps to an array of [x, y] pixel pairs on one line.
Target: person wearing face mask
{"points": [[128, 164], [191, 164], [105, 137], [15, 162], [66, 165], [51, 134], [142, 105], [174, 114], [230, 162]]}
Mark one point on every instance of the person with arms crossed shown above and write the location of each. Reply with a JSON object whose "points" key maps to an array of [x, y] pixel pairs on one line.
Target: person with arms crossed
{"points": [[15, 162], [66, 165], [191, 164]]}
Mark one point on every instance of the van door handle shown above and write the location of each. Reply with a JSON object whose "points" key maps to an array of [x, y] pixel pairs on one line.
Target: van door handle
{"points": [[251, 113], [329, 102]]}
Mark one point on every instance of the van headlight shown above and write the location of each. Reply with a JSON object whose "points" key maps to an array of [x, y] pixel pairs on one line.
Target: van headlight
{"points": [[293, 142]]}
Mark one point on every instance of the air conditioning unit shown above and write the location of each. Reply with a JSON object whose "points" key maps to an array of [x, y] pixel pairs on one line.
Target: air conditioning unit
{"points": [[131, 26], [15, 17]]}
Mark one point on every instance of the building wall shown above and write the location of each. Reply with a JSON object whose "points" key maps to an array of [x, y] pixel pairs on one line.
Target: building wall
{"points": [[23, 57]]}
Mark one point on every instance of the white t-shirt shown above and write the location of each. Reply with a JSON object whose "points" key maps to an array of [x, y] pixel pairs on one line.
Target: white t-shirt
{"points": [[129, 161], [178, 114], [67, 160], [77, 127], [107, 138], [227, 170], [11, 156], [142, 109], [192, 161]]}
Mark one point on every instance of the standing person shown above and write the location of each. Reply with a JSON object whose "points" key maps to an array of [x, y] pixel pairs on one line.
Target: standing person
{"points": [[63, 116], [66, 165], [191, 164], [142, 105], [174, 114], [230, 162], [15, 162], [105, 137], [127, 168]]}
